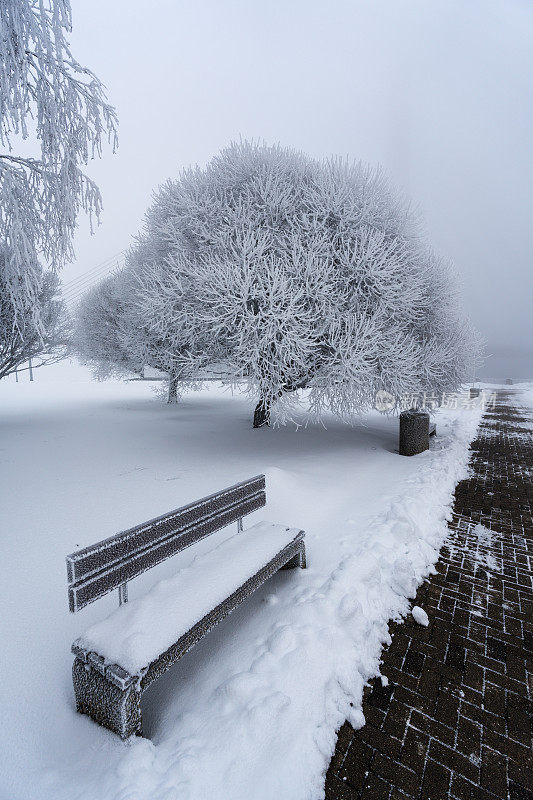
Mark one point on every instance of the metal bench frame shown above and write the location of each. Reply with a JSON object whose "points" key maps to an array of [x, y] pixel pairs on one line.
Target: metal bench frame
{"points": [[107, 692]]}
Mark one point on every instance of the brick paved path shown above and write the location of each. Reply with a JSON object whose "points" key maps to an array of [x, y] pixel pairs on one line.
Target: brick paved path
{"points": [[454, 721]]}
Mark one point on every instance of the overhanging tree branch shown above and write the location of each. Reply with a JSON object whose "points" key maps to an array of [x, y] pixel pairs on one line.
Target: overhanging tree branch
{"points": [[46, 92]]}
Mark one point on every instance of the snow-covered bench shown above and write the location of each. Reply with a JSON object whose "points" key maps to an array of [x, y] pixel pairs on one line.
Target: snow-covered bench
{"points": [[118, 658]]}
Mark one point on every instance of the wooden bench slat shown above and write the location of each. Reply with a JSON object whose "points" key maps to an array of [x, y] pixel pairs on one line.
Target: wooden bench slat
{"points": [[93, 559], [99, 584]]}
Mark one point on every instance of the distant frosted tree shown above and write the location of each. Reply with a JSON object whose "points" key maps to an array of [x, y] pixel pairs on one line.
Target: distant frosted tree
{"points": [[104, 336], [20, 339], [301, 274], [173, 339], [47, 96], [114, 332]]}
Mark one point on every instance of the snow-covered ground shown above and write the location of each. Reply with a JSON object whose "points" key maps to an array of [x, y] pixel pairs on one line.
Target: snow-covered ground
{"points": [[251, 711]]}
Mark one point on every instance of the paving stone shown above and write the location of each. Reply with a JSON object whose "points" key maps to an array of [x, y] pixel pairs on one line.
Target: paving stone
{"points": [[395, 773], [433, 728], [462, 789], [413, 663], [496, 649], [453, 759], [381, 741], [356, 764], [414, 750], [344, 739], [468, 741], [494, 772], [394, 726], [519, 792], [337, 789], [436, 781], [380, 695], [454, 722], [376, 789], [447, 709], [374, 715]]}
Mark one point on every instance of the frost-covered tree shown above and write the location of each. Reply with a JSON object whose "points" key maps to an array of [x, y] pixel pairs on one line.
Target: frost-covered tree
{"points": [[104, 337], [48, 97], [301, 274], [20, 339], [174, 340], [111, 334]]}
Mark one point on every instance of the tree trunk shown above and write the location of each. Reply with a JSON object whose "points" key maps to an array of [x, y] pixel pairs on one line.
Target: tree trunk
{"points": [[262, 414], [172, 390], [264, 406]]}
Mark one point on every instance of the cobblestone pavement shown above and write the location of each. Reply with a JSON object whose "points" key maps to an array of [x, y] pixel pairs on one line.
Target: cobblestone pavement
{"points": [[454, 721]]}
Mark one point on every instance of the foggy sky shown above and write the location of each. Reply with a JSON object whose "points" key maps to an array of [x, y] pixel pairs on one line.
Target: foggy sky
{"points": [[437, 91]]}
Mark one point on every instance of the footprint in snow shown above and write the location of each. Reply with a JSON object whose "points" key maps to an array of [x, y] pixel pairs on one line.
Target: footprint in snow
{"points": [[272, 600], [349, 607], [282, 641], [238, 689]]}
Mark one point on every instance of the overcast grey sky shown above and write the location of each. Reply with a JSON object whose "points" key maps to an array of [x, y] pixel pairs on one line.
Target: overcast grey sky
{"points": [[437, 91]]}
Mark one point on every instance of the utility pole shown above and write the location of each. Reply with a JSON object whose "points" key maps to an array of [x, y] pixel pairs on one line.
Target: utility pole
{"points": [[31, 371]]}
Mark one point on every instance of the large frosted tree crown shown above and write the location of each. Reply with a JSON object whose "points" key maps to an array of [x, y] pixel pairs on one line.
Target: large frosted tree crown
{"points": [[296, 273]]}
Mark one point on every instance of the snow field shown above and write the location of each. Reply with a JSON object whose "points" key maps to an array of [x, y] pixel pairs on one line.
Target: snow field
{"points": [[252, 710]]}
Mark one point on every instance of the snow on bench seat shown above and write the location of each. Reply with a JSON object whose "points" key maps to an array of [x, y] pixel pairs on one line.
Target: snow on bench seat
{"points": [[138, 632]]}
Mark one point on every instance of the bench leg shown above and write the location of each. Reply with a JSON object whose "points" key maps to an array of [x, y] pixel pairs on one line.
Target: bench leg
{"points": [[298, 560], [116, 710]]}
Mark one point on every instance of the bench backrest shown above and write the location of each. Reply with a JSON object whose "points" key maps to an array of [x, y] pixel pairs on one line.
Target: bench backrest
{"points": [[102, 567]]}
